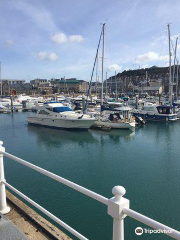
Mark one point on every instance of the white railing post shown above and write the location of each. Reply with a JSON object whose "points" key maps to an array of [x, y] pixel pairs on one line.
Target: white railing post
{"points": [[3, 204], [115, 209]]}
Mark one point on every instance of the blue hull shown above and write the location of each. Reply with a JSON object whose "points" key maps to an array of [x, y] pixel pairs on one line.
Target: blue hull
{"points": [[154, 117]]}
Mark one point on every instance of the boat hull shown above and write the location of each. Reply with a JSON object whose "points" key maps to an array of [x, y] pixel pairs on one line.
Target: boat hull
{"points": [[62, 123], [156, 117], [115, 125]]}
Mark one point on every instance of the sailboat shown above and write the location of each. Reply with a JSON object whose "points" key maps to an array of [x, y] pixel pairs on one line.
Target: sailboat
{"points": [[155, 112], [119, 118]]}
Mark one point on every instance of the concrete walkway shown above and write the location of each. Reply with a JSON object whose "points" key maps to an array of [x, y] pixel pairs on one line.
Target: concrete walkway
{"points": [[26, 224], [8, 231]]}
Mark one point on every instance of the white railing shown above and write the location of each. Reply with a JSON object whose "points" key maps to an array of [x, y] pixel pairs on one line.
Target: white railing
{"points": [[118, 206]]}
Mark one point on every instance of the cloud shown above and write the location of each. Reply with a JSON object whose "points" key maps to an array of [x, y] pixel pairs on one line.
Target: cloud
{"points": [[150, 56], [115, 67], [45, 56], [42, 55], [53, 57], [163, 39], [59, 38], [76, 38], [62, 38], [37, 13], [159, 40], [9, 42]]}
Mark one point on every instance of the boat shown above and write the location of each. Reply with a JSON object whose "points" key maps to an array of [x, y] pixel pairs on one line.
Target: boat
{"points": [[119, 118], [16, 106], [154, 112], [4, 109], [22, 97], [113, 114], [55, 115]]}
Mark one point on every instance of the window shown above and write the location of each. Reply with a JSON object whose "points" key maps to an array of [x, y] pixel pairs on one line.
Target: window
{"points": [[61, 109], [43, 112], [50, 109]]}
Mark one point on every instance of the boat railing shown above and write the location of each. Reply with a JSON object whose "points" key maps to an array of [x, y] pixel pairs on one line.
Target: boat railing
{"points": [[118, 207]]}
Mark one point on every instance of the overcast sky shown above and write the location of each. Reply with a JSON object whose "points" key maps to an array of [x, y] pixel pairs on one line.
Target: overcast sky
{"points": [[56, 38]]}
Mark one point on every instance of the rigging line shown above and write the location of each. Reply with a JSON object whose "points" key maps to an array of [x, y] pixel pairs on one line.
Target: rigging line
{"points": [[93, 71], [174, 51], [108, 46]]}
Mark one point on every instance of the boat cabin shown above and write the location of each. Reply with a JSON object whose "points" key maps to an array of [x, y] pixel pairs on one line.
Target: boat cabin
{"points": [[165, 110], [53, 107]]}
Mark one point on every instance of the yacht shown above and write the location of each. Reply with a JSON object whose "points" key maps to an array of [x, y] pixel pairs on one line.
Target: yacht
{"points": [[56, 115], [155, 112]]}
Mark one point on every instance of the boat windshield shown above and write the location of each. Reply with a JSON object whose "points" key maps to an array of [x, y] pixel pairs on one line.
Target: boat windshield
{"points": [[61, 109]]}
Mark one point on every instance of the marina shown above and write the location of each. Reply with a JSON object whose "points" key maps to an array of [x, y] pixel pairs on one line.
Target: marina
{"points": [[97, 160], [89, 120]]}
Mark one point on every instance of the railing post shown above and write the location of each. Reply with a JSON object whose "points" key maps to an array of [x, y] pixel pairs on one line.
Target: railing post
{"points": [[115, 209], [3, 204]]}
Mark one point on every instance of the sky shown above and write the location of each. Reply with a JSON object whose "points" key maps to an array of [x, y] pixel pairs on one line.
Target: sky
{"points": [[57, 38]]}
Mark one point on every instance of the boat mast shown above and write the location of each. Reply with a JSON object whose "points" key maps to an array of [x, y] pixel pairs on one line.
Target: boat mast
{"points": [[103, 33], [97, 72], [106, 86], [170, 79], [146, 79], [177, 79], [1, 78], [116, 86], [174, 66]]}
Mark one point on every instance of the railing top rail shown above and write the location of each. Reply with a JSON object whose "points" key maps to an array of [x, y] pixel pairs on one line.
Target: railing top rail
{"points": [[64, 181], [152, 223]]}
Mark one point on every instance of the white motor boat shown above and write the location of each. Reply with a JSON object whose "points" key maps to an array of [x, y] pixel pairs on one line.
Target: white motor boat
{"points": [[21, 98], [17, 106], [55, 115], [119, 118], [4, 109]]}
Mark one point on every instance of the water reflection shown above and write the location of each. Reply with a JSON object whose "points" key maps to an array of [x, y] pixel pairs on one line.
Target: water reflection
{"points": [[57, 138], [114, 135]]}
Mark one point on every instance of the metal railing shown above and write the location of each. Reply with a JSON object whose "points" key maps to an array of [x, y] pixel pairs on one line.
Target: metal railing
{"points": [[118, 206]]}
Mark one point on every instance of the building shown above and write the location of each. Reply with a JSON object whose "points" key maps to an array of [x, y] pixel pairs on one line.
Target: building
{"points": [[12, 85], [83, 86], [150, 90], [13, 81], [37, 82], [15, 89], [45, 89], [71, 85]]}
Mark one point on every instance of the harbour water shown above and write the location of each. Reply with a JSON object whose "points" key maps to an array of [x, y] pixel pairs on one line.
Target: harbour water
{"points": [[146, 162]]}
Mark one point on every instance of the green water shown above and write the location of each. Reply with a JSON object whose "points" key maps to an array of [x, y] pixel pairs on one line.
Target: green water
{"points": [[146, 163]]}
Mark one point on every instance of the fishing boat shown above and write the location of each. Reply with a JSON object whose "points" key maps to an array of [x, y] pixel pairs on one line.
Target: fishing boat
{"points": [[55, 115]]}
